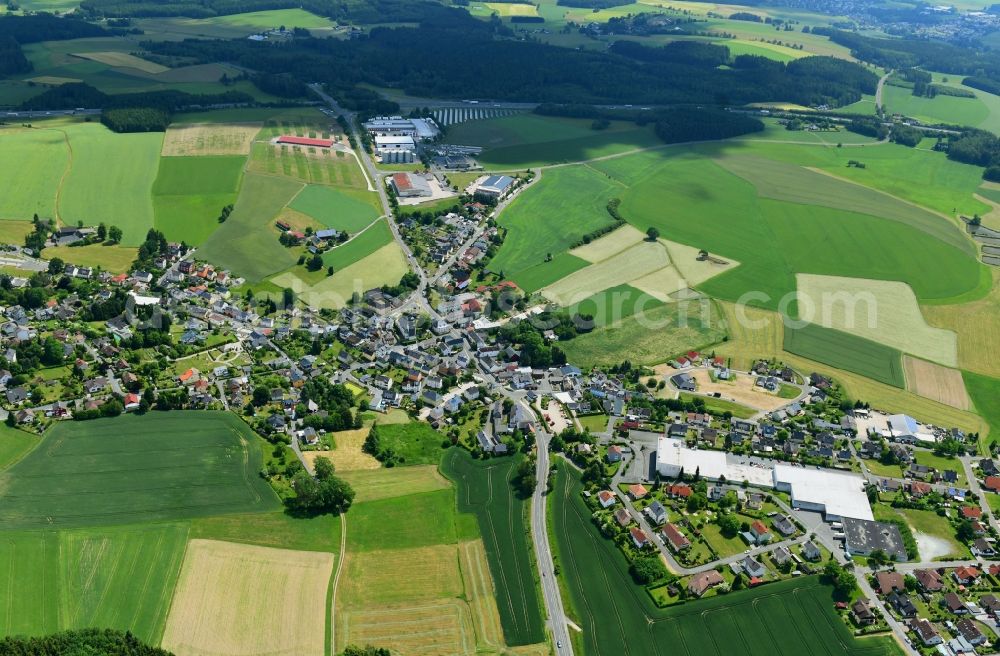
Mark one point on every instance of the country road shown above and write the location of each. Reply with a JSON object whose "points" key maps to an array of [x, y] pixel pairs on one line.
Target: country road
{"points": [[878, 91]]}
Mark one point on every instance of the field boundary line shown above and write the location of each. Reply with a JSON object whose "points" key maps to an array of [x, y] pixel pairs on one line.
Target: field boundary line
{"points": [[336, 581]]}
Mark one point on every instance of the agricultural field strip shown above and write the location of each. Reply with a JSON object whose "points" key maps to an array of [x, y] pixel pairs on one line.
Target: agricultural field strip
{"points": [[846, 351], [936, 382], [636, 262]]}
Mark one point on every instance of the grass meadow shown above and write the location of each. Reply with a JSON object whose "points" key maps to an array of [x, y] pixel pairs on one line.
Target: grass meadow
{"points": [[37, 159], [247, 243], [111, 180], [985, 392], [939, 109], [271, 529], [525, 140], [190, 192], [789, 617], [145, 469], [483, 488], [614, 304], [14, 445], [340, 209], [363, 245], [113, 258], [845, 351]]}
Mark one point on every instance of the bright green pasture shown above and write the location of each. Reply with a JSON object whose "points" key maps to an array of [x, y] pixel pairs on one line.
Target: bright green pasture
{"points": [[694, 201], [271, 529], [136, 468], [247, 243], [650, 338], [939, 109], [614, 304], [483, 488], [271, 19], [361, 246], [523, 140], [33, 163], [559, 209], [790, 617], [985, 394], [416, 443], [845, 351], [14, 444], [121, 578], [111, 179], [541, 275], [190, 192], [393, 523], [342, 209]]}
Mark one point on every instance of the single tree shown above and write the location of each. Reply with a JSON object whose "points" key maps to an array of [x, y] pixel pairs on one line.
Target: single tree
{"points": [[653, 234]]}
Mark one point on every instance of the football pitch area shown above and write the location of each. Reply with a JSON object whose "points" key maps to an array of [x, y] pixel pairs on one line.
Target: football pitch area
{"points": [[484, 489], [136, 469], [789, 617]]}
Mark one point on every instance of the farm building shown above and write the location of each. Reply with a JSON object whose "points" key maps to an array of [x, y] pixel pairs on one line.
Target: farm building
{"points": [[495, 187], [396, 150], [304, 141], [408, 185]]}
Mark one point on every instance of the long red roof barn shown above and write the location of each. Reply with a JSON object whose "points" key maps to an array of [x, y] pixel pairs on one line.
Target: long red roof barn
{"points": [[305, 141]]}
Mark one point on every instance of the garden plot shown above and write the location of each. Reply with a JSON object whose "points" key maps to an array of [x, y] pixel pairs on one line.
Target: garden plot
{"points": [[882, 311]]}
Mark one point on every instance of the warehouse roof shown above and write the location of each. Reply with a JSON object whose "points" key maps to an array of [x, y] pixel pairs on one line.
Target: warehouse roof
{"points": [[305, 141], [841, 494]]}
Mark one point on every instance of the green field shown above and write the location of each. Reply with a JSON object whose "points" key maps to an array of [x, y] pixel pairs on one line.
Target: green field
{"points": [[790, 617], [307, 164], [524, 140], [344, 210], [483, 488], [111, 180], [985, 392], [390, 523], [247, 244], [116, 471], [649, 338], [845, 351], [361, 246], [190, 192], [573, 201], [14, 444], [940, 109], [271, 529], [416, 443], [272, 19], [614, 304], [120, 578], [37, 159]]}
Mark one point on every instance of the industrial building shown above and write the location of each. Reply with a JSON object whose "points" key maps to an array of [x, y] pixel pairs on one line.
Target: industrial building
{"points": [[835, 494], [495, 187], [397, 126], [863, 536], [396, 150], [408, 185], [290, 140]]}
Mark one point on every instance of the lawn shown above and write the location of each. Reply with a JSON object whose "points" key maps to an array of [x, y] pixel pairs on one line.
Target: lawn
{"points": [[389, 523], [790, 617], [845, 351], [111, 179], [526, 140], [272, 529], [649, 338], [247, 244], [14, 444], [132, 468], [345, 210], [483, 488], [573, 202], [190, 192], [358, 248], [721, 405], [594, 423]]}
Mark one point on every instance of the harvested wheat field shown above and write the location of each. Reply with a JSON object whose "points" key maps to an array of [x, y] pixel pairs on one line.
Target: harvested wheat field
{"points": [[123, 60], [347, 454], [693, 270], [610, 244], [661, 284], [935, 382], [235, 599], [373, 484], [209, 139], [630, 264]]}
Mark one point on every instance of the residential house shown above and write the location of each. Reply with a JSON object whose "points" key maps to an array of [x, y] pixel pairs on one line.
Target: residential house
{"points": [[614, 453], [970, 631], [675, 538], [901, 604], [954, 603], [926, 632], [753, 567], [701, 582], [981, 547], [759, 532], [781, 556], [783, 525], [639, 537], [656, 512], [622, 517], [811, 552], [606, 498], [637, 491], [862, 612], [888, 582], [966, 575], [991, 604], [930, 580]]}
